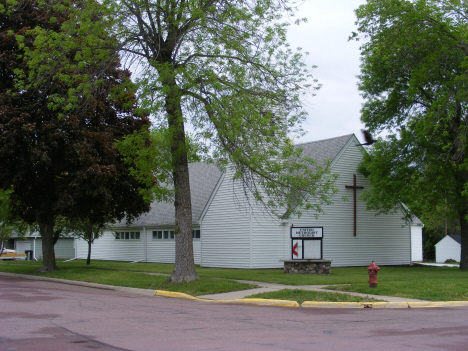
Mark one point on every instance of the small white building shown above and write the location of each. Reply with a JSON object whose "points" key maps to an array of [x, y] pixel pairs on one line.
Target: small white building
{"points": [[228, 233], [64, 248], [448, 248]]}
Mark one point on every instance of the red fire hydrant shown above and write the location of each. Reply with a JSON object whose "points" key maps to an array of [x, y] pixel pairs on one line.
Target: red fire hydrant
{"points": [[373, 270]]}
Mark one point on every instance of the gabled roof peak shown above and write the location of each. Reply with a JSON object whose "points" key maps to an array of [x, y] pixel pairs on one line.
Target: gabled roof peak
{"points": [[327, 149], [457, 238], [337, 139]]}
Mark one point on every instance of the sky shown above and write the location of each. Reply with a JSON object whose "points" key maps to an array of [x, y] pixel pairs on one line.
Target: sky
{"points": [[335, 110]]}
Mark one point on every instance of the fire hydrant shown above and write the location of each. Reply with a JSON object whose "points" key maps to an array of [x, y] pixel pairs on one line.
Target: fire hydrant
{"points": [[373, 270]]}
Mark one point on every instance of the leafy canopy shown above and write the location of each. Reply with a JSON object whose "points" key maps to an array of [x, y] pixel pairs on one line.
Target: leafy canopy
{"points": [[60, 159], [222, 68], [414, 78]]}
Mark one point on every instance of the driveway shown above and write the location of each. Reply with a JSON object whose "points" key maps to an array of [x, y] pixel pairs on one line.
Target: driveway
{"points": [[42, 315]]}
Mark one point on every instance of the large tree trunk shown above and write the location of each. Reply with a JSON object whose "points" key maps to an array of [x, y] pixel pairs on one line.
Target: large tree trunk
{"points": [[464, 241], [46, 229], [462, 205], [89, 239], [461, 178], [184, 269]]}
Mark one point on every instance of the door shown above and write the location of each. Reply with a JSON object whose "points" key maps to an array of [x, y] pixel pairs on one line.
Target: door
{"points": [[21, 246]]}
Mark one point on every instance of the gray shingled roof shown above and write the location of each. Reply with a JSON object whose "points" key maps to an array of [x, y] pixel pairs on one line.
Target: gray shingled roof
{"points": [[457, 238], [203, 180], [322, 150], [416, 221], [204, 177]]}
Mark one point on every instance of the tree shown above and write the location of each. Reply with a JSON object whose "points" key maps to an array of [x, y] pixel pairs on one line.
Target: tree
{"points": [[224, 68], [62, 161], [84, 229], [414, 79]]}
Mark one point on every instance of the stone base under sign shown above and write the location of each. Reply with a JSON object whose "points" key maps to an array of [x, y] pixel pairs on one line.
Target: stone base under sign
{"points": [[307, 266]]}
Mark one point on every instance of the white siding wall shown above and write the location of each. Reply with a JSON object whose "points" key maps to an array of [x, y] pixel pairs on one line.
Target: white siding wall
{"points": [[163, 250], [64, 248], [416, 244], [22, 245], [268, 241], [108, 247], [446, 249], [38, 245], [225, 228], [146, 248], [383, 238], [235, 237]]}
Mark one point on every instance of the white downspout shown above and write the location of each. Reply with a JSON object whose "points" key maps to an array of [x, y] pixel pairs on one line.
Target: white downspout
{"points": [[286, 241], [146, 244], [250, 237], [35, 259]]}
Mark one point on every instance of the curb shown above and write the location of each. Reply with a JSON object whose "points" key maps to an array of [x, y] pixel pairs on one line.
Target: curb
{"points": [[257, 302], [319, 304]]}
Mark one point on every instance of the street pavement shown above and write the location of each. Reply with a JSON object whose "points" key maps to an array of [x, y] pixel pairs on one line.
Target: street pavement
{"points": [[43, 315]]}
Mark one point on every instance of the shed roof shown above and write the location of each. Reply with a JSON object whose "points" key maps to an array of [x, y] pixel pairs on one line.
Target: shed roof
{"points": [[457, 238]]}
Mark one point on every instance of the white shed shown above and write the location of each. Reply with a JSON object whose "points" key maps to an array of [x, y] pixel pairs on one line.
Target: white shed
{"points": [[448, 248]]}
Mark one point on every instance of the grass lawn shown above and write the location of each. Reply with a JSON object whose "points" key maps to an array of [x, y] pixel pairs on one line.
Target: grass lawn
{"points": [[304, 295], [426, 283], [127, 275]]}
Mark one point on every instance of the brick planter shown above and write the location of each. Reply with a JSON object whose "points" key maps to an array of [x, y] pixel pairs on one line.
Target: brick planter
{"points": [[307, 266]]}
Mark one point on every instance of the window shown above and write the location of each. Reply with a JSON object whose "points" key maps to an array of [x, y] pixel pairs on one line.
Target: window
{"points": [[127, 235], [157, 234], [169, 234], [163, 234]]}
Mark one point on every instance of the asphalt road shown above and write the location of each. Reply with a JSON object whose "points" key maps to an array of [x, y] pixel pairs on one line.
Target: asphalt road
{"points": [[39, 315]]}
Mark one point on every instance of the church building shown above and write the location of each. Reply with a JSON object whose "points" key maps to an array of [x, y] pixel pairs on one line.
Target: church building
{"points": [[228, 234]]}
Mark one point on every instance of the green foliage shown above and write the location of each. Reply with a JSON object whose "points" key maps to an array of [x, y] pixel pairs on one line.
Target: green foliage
{"points": [[430, 238], [59, 159], [84, 228], [240, 86], [148, 154], [73, 54], [81, 228], [225, 69], [414, 77], [9, 224]]}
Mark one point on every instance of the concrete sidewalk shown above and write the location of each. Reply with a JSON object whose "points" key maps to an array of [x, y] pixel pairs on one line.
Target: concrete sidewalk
{"points": [[268, 287]]}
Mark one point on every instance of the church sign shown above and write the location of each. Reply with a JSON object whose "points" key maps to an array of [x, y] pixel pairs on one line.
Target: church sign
{"points": [[306, 243]]}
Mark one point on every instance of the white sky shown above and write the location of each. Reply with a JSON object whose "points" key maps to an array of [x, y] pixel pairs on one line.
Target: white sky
{"points": [[334, 111]]}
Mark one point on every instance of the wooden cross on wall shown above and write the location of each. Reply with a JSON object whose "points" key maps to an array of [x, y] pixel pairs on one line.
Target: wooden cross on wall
{"points": [[354, 187]]}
